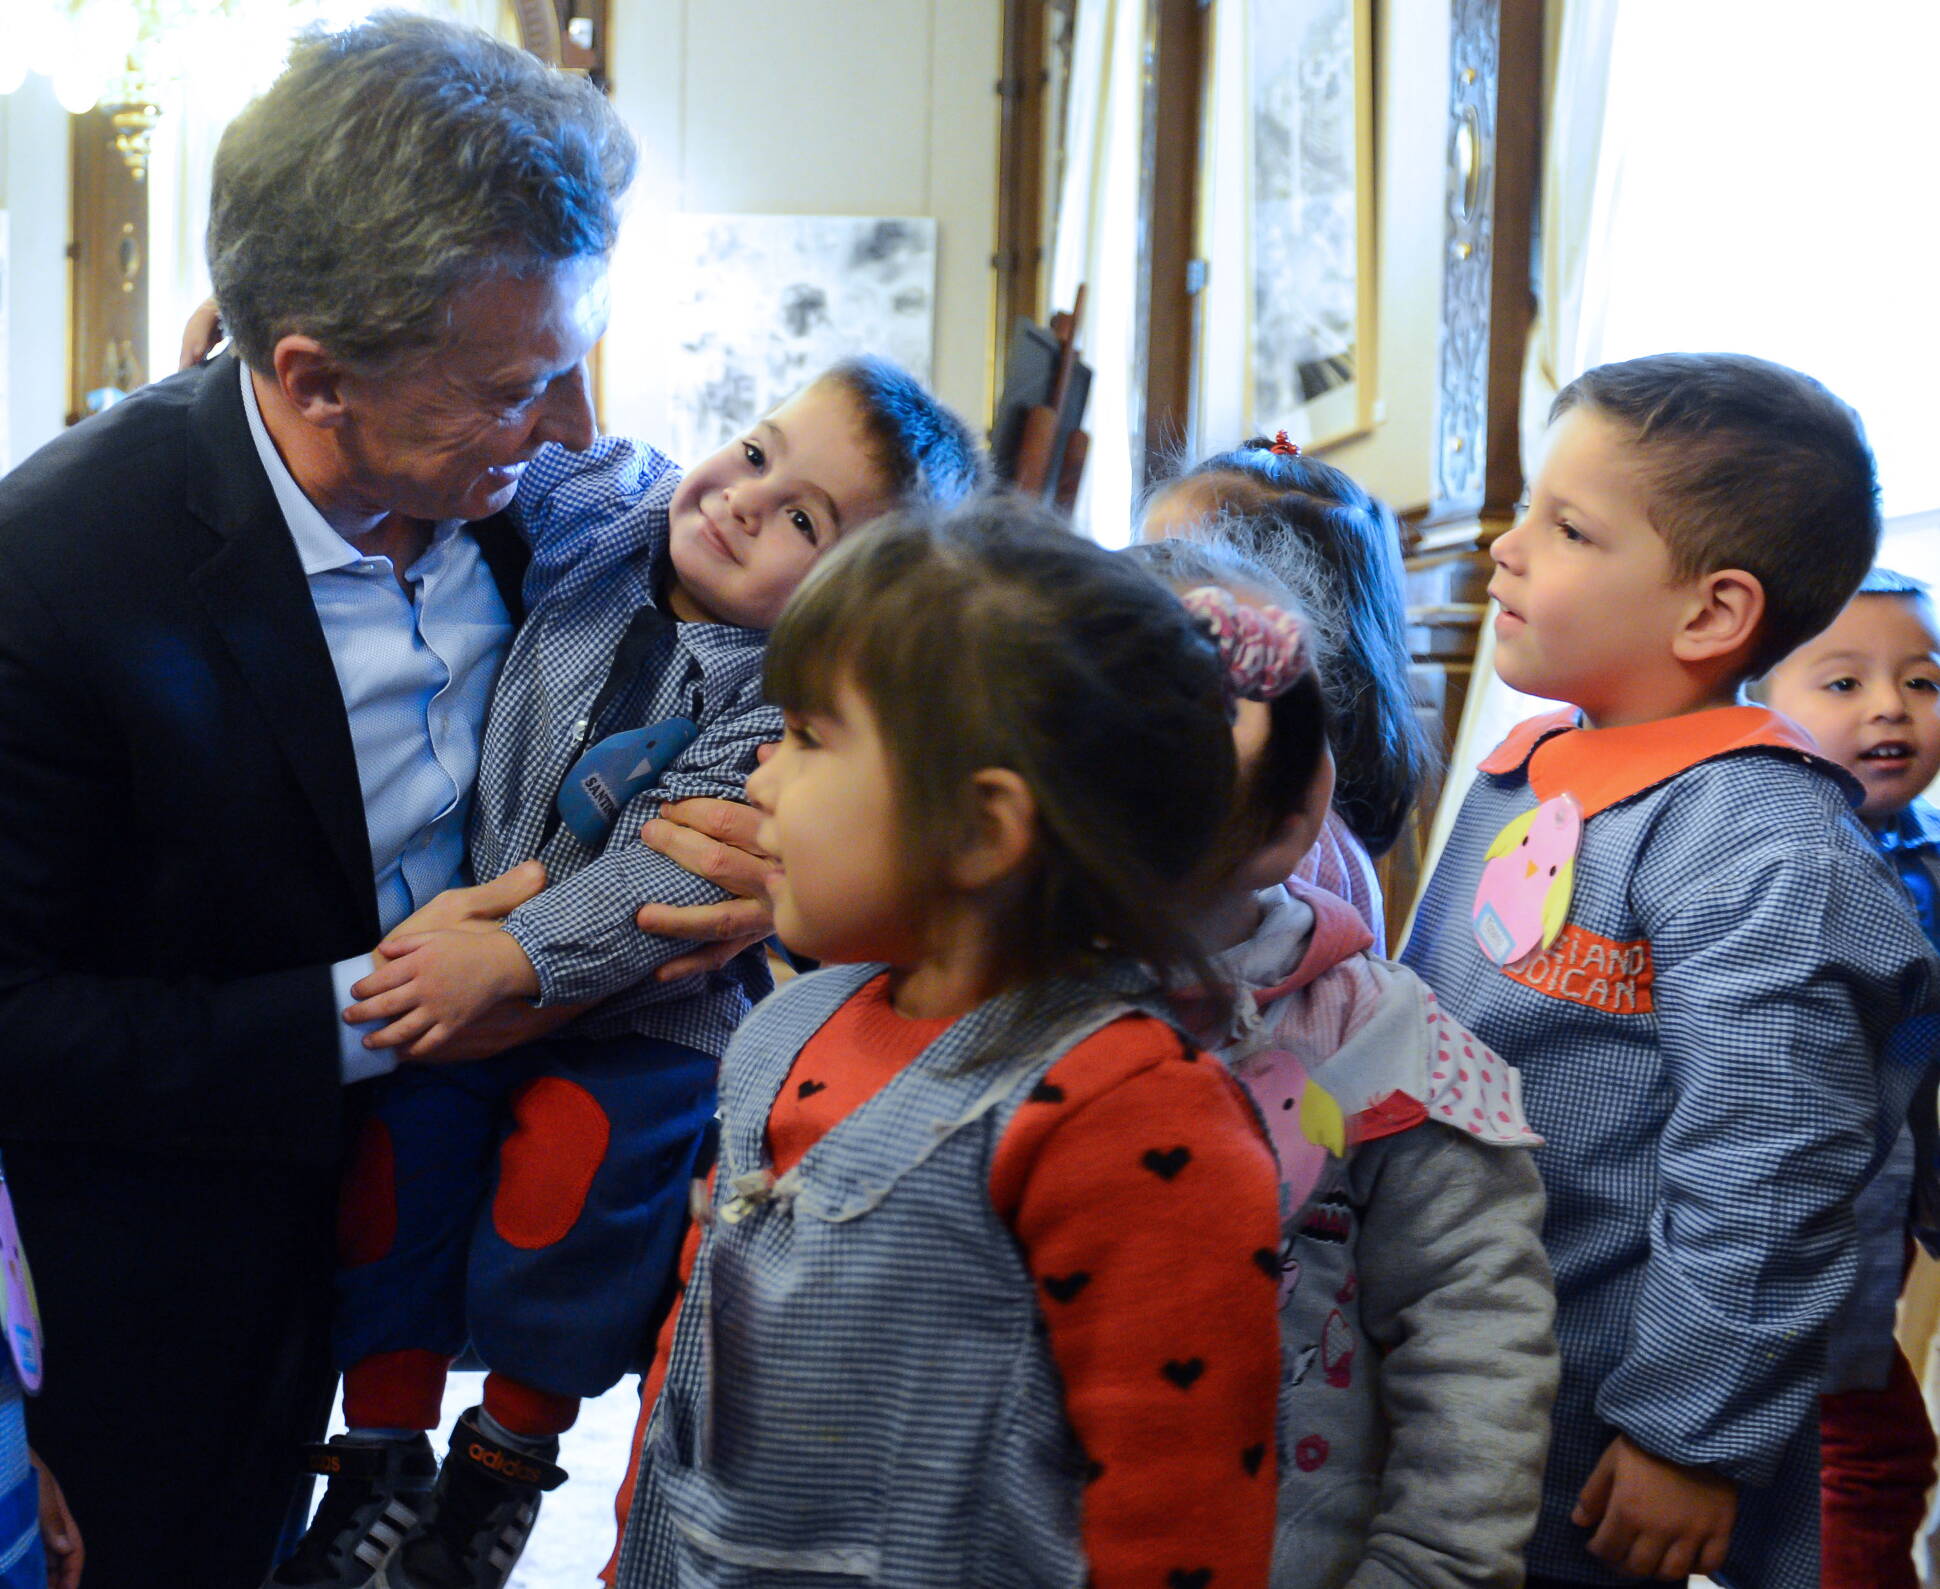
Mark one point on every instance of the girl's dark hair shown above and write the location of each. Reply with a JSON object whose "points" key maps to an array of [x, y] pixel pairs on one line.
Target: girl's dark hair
{"points": [[993, 637], [1290, 512], [1277, 785], [927, 454]]}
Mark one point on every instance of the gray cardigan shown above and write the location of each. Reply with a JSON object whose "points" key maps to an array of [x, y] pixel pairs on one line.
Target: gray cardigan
{"points": [[1416, 1297]]}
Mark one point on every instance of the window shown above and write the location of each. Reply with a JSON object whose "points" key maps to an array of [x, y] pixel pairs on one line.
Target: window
{"points": [[1772, 192]]}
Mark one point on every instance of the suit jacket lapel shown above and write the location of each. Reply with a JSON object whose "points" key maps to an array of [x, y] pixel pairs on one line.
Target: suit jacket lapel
{"points": [[255, 592], [507, 554]]}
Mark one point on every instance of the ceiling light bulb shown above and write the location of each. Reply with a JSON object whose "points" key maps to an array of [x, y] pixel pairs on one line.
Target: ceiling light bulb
{"points": [[78, 85]]}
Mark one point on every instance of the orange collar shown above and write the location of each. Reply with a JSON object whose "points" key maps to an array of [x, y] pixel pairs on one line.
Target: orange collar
{"points": [[1604, 767]]}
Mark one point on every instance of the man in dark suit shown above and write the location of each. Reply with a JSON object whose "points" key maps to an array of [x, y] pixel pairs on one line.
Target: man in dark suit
{"points": [[246, 643]]}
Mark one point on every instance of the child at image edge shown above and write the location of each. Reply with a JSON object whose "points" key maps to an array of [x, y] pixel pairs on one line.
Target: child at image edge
{"points": [[1868, 691], [1715, 1044], [988, 1293], [1415, 1299]]}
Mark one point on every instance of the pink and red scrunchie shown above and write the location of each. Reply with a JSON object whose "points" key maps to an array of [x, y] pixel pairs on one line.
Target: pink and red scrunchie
{"points": [[1264, 649]]}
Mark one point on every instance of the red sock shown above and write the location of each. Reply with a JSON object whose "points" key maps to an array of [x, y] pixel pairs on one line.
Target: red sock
{"points": [[395, 1390], [532, 1414]]}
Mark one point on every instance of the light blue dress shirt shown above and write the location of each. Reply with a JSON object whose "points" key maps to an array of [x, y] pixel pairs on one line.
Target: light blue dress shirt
{"points": [[416, 669]]}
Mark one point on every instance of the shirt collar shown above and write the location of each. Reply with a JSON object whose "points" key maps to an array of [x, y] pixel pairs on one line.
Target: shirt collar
{"points": [[1603, 767], [1915, 828], [319, 547]]}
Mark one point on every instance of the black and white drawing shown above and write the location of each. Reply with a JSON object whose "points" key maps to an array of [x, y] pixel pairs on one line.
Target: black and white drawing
{"points": [[762, 303], [1308, 229]]}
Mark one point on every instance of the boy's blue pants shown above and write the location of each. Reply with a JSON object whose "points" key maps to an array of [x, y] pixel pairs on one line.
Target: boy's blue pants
{"points": [[532, 1204]]}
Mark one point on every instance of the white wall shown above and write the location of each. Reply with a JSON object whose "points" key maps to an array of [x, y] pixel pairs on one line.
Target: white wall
{"points": [[34, 193], [810, 107]]}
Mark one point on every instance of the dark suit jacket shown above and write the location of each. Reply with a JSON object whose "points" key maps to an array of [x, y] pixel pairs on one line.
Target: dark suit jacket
{"points": [[182, 856], [182, 842]]}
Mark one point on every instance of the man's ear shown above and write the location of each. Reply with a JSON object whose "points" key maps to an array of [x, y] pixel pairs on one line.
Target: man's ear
{"points": [[1727, 607], [1000, 833], [310, 380]]}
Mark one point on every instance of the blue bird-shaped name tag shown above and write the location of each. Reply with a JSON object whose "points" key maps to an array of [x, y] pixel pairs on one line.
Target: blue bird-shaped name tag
{"points": [[615, 770]]}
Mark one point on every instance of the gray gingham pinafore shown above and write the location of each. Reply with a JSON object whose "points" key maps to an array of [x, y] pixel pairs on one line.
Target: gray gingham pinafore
{"points": [[861, 1390]]}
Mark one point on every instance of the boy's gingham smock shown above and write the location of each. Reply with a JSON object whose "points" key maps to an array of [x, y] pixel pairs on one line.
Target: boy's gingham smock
{"points": [[1716, 1050], [1863, 1347], [598, 525]]}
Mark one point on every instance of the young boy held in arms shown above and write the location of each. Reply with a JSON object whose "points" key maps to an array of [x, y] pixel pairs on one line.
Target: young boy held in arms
{"points": [[532, 1203], [1654, 905]]}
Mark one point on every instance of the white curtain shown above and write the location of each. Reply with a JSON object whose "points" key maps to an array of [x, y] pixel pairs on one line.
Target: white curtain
{"points": [[1777, 198], [1095, 240], [1220, 416], [1582, 172]]}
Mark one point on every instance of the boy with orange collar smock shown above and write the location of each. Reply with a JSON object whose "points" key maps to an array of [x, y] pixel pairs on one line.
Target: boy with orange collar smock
{"points": [[1657, 907]]}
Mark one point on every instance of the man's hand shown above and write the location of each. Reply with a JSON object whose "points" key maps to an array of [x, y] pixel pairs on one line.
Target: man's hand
{"points": [[488, 904], [492, 901], [714, 839], [58, 1536], [506, 1024], [1653, 1518], [432, 986]]}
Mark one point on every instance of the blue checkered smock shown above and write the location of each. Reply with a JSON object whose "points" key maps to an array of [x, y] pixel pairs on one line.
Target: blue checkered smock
{"points": [[1702, 1153], [22, 1564], [597, 521], [860, 1389]]}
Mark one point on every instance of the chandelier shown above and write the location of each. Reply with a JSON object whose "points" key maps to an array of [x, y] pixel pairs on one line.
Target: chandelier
{"points": [[118, 54], [132, 57]]}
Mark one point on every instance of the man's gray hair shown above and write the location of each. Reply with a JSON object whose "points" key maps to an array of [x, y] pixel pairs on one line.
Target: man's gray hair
{"points": [[392, 165]]}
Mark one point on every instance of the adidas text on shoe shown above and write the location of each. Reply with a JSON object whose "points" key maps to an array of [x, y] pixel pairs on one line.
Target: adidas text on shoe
{"points": [[475, 1527], [376, 1490]]}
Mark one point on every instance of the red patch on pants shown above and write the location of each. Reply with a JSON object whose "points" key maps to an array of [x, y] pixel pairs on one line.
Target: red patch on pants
{"points": [[546, 1167], [367, 1210]]}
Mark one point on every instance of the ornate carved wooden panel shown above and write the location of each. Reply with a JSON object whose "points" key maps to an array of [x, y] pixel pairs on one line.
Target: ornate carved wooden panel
{"points": [[1462, 388], [1494, 161]]}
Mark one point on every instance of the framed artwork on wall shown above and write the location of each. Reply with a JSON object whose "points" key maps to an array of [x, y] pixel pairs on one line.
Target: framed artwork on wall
{"points": [[1310, 215], [760, 304]]}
